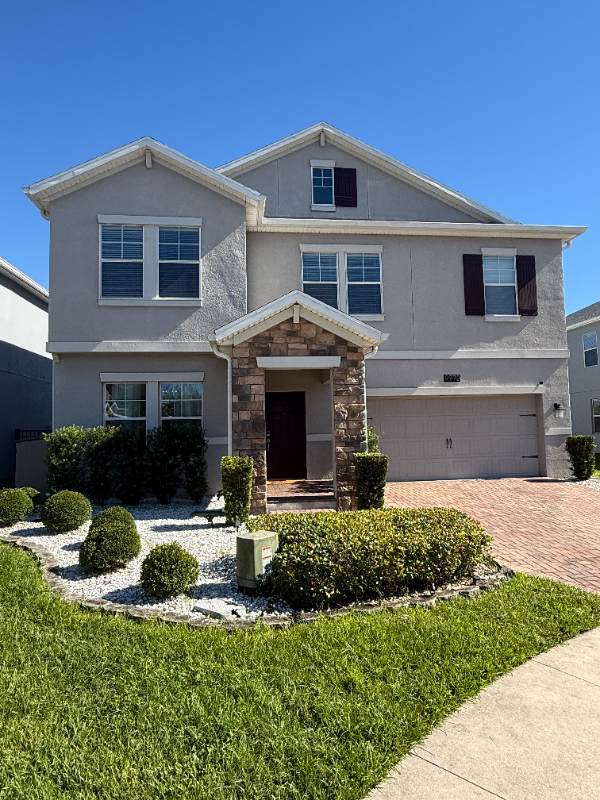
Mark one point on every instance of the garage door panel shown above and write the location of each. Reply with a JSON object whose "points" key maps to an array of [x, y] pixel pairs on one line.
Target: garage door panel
{"points": [[490, 435]]}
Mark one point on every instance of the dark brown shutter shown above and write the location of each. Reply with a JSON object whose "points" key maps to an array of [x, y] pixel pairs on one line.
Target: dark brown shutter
{"points": [[473, 277], [526, 286], [344, 184]]}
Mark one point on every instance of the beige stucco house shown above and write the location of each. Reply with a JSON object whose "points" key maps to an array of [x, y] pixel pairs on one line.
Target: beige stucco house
{"points": [[286, 297]]}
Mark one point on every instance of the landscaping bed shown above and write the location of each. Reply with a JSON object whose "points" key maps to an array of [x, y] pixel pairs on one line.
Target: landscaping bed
{"points": [[100, 706]]}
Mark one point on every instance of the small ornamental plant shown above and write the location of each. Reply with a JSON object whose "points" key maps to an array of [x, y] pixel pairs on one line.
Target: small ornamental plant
{"points": [[15, 505], [112, 542], [371, 472], [236, 474], [168, 570], [582, 452], [65, 511], [326, 558]]}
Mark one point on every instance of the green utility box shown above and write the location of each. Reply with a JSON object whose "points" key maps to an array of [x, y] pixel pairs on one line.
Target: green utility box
{"points": [[254, 554]]}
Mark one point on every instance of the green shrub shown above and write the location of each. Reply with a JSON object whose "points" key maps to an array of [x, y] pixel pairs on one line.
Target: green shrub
{"points": [[168, 570], [62, 459], [328, 558], [112, 542], [372, 440], [15, 504], [65, 511], [192, 451], [371, 472], [163, 462], [128, 465], [581, 450], [37, 498], [95, 459], [236, 474]]}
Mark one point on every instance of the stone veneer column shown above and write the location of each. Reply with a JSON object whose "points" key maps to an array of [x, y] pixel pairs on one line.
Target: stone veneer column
{"points": [[249, 426], [349, 413], [350, 423]]}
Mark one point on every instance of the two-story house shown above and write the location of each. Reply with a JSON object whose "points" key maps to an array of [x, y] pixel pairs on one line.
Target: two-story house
{"points": [[25, 366], [583, 329], [287, 296]]}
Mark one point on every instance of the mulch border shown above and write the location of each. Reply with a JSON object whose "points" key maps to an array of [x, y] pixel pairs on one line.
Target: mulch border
{"points": [[51, 573]]}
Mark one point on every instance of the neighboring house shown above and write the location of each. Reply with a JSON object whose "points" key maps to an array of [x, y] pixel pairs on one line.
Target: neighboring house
{"points": [[25, 366], [583, 329], [247, 299]]}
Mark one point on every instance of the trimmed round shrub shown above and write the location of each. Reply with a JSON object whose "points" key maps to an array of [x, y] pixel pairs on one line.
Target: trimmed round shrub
{"points": [[328, 558], [168, 570], [112, 542], [15, 504], [37, 498], [65, 511]]}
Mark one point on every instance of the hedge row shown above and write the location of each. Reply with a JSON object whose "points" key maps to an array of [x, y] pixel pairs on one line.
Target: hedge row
{"points": [[335, 558], [115, 462]]}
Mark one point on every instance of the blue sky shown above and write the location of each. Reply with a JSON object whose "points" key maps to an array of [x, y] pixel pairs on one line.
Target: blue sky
{"points": [[499, 101]]}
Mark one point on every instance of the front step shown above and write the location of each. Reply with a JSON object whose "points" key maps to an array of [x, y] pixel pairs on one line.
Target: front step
{"points": [[301, 503]]}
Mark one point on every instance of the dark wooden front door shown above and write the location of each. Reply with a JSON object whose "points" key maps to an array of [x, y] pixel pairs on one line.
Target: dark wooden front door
{"points": [[286, 435]]}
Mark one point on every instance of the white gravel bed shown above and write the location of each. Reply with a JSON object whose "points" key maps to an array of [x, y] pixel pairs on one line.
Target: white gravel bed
{"points": [[213, 547], [593, 483]]}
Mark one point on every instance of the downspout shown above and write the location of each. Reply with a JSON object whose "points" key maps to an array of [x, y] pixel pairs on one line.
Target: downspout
{"points": [[368, 354], [215, 348]]}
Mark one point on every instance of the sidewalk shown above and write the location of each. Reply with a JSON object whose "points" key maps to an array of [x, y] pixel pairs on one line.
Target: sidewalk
{"points": [[534, 734]]}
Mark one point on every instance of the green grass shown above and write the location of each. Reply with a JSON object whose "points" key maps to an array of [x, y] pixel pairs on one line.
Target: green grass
{"points": [[94, 706]]}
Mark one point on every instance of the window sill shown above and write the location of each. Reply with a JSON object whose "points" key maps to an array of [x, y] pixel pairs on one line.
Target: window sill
{"points": [[503, 318], [141, 301], [315, 207], [369, 317]]}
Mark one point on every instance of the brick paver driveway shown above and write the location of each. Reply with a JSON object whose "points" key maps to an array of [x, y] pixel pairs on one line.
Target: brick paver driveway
{"points": [[539, 526]]}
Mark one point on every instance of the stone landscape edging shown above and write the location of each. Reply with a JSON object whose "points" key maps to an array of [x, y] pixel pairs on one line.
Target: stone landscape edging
{"points": [[50, 569]]}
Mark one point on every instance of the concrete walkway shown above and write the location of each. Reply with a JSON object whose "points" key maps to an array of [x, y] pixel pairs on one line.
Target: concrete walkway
{"points": [[534, 734]]}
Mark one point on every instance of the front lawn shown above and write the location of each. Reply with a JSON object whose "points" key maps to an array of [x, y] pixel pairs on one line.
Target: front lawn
{"points": [[95, 706]]}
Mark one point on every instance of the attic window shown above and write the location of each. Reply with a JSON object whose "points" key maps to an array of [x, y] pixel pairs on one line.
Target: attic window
{"points": [[322, 187]]}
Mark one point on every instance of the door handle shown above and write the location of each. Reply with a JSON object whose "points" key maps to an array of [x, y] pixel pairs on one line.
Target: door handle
{"points": [[446, 443], [450, 444]]}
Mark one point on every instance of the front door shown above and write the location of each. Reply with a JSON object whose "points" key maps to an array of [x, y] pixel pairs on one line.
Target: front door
{"points": [[286, 435]]}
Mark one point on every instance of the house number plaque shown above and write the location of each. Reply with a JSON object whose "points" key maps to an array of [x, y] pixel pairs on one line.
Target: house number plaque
{"points": [[451, 378]]}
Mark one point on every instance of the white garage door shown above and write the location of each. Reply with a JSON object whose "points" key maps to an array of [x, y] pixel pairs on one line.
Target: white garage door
{"points": [[457, 437]]}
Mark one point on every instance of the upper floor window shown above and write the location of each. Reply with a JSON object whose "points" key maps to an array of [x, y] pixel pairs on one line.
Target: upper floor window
{"points": [[500, 285], [590, 349], [122, 261], [364, 283], [322, 186], [595, 416], [319, 277], [150, 260], [344, 278], [178, 262], [332, 186]]}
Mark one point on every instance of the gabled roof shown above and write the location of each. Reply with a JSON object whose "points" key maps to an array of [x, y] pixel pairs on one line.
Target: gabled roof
{"points": [[24, 281], [584, 316], [370, 154], [43, 192], [312, 310]]}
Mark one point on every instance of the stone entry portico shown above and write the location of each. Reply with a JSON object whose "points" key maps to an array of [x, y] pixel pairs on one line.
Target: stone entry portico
{"points": [[305, 334]]}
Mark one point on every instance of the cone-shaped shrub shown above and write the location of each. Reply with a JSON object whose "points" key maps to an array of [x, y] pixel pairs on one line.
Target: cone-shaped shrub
{"points": [[65, 511], [168, 570], [236, 474], [371, 472], [15, 504], [112, 542]]}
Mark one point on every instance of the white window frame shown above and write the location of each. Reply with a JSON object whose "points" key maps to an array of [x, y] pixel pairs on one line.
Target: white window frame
{"points": [[151, 261], [152, 381], [342, 250], [492, 252], [322, 164], [594, 416], [337, 273], [587, 349], [106, 419], [180, 419]]}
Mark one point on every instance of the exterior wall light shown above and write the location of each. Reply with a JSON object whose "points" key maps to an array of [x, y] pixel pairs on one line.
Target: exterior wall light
{"points": [[559, 411]]}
